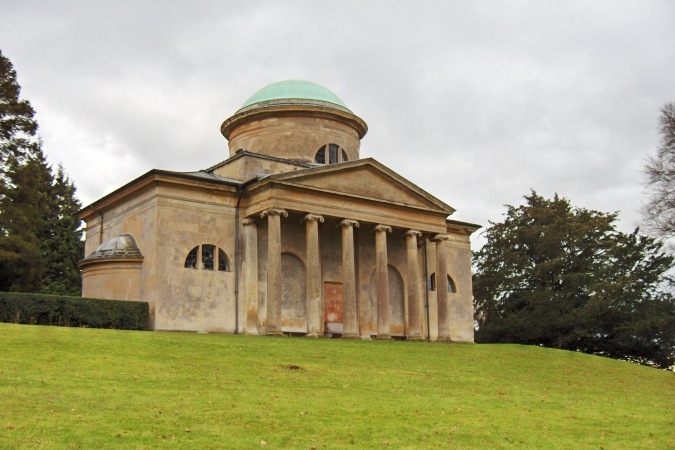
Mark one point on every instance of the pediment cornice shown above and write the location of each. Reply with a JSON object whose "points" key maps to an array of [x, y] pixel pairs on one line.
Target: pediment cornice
{"points": [[332, 180]]}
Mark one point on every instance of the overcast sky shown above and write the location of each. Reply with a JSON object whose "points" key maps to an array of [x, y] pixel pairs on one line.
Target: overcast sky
{"points": [[477, 102]]}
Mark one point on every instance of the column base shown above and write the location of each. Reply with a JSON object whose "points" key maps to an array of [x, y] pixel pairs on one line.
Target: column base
{"points": [[314, 335], [351, 336], [384, 337], [274, 333], [444, 339], [414, 338]]}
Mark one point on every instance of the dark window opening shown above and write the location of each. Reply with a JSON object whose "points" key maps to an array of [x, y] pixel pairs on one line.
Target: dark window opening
{"points": [[207, 256], [451, 285], [431, 284], [330, 154], [191, 260], [320, 157], [333, 153], [223, 263]]}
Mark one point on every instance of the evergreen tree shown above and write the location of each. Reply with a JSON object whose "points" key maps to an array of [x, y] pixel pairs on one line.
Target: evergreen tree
{"points": [[20, 267], [23, 208], [62, 246], [17, 126], [40, 238], [564, 277]]}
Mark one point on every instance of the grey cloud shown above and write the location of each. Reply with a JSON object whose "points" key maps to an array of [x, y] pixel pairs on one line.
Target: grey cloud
{"points": [[476, 102]]}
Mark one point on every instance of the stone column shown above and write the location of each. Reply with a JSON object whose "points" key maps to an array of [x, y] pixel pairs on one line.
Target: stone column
{"points": [[414, 316], [274, 269], [314, 297], [251, 274], [349, 309], [442, 287], [381, 269]]}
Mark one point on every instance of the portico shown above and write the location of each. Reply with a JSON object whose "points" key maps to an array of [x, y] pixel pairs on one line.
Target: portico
{"points": [[348, 259]]}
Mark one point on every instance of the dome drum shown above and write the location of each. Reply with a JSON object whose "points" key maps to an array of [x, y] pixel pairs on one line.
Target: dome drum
{"points": [[293, 119], [293, 136]]}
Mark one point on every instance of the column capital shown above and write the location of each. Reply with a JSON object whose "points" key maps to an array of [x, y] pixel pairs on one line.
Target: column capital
{"points": [[348, 223], [385, 228], [249, 221], [440, 238], [414, 233], [273, 212], [313, 218]]}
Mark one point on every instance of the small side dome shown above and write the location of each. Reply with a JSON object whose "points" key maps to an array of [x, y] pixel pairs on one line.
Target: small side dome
{"points": [[122, 246], [294, 90]]}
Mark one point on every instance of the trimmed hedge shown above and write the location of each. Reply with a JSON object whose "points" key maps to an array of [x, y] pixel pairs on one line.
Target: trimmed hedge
{"points": [[38, 309]]}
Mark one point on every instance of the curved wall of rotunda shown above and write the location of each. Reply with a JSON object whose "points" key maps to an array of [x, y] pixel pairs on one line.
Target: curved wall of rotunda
{"points": [[294, 137], [294, 120]]}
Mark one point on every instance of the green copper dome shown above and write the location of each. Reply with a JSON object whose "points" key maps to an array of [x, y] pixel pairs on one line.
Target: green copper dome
{"points": [[294, 89]]}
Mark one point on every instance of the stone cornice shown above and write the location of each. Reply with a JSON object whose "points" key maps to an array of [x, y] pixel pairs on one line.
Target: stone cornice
{"points": [[206, 189], [457, 227], [440, 238], [321, 174], [294, 110], [155, 178], [97, 261], [429, 224], [352, 197]]}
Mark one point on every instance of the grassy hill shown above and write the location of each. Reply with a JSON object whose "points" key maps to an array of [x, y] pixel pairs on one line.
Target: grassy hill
{"points": [[86, 388]]}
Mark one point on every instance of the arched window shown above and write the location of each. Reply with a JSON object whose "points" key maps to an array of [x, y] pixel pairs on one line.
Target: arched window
{"points": [[451, 285], [204, 257], [191, 260], [431, 285], [330, 154], [223, 263], [207, 256]]}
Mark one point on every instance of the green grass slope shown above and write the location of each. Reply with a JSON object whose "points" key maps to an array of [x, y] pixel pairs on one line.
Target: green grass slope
{"points": [[86, 388]]}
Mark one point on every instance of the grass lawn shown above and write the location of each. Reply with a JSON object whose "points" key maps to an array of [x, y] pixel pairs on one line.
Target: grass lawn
{"points": [[87, 388]]}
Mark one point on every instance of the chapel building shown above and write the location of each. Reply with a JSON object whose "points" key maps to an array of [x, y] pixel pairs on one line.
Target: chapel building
{"points": [[294, 233]]}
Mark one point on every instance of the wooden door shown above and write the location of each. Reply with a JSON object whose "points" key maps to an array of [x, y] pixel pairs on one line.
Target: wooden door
{"points": [[332, 307]]}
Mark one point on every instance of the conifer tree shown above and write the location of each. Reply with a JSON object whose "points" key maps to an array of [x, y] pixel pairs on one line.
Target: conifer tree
{"points": [[558, 276], [18, 128], [19, 249], [40, 238], [23, 208], [62, 246]]}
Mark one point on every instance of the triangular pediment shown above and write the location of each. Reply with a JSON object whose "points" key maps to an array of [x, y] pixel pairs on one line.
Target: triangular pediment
{"points": [[365, 179]]}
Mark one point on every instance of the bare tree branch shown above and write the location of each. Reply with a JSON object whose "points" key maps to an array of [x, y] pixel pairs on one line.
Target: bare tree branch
{"points": [[659, 212]]}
